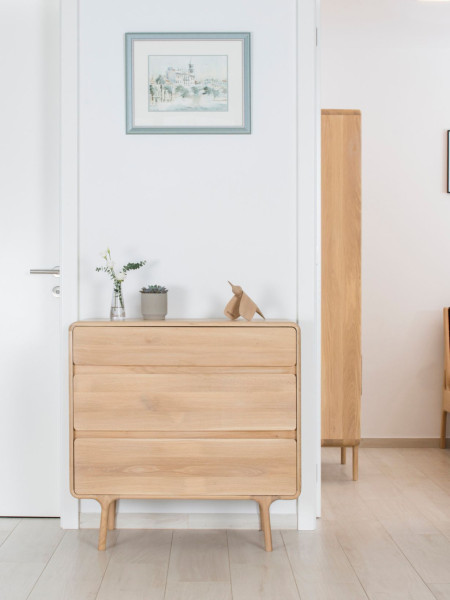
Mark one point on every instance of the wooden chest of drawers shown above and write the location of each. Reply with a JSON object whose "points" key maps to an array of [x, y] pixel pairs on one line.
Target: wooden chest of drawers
{"points": [[184, 409]]}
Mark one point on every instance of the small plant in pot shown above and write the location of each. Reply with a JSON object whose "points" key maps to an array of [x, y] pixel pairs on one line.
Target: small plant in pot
{"points": [[154, 302]]}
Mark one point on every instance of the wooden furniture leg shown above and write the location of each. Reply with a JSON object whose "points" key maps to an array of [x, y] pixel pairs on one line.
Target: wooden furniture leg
{"points": [[112, 516], [355, 462], [105, 504], [443, 429], [264, 510], [343, 455]]}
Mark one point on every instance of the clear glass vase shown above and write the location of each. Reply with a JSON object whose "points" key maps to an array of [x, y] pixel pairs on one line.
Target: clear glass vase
{"points": [[117, 304]]}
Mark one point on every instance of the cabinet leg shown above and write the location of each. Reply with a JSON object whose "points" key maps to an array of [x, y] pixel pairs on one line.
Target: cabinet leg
{"points": [[343, 455], [112, 516], [105, 504], [443, 429], [264, 510], [355, 462]]}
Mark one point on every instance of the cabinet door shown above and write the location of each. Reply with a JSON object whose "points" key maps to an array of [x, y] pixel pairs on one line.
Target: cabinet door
{"points": [[341, 275]]}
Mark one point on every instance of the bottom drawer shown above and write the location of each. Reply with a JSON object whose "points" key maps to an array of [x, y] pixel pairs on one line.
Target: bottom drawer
{"points": [[189, 468]]}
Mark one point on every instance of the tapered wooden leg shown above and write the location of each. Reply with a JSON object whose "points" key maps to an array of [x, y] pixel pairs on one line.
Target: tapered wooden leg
{"points": [[112, 516], [443, 429], [264, 509], [105, 503], [355, 462], [343, 455]]}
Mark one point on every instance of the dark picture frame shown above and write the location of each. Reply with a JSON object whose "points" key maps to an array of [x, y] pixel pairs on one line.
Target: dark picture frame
{"points": [[448, 161]]}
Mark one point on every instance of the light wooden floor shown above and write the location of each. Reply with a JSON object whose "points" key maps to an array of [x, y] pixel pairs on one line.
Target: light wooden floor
{"points": [[384, 537]]}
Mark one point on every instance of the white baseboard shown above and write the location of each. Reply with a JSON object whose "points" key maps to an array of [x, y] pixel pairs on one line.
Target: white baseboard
{"points": [[189, 521], [402, 442]]}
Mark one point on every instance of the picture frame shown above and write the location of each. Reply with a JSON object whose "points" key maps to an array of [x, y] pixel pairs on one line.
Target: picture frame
{"points": [[184, 83], [448, 161]]}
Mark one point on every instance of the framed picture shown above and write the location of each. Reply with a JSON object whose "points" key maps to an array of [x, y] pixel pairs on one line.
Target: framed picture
{"points": [[448, 161], [188, 82]]}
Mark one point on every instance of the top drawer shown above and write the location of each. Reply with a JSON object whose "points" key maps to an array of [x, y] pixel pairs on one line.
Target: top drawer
{"points": [[185, 346]]}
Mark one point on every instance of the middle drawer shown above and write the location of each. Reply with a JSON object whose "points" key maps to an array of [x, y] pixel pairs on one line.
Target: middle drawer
{"points": [[185, 402]]}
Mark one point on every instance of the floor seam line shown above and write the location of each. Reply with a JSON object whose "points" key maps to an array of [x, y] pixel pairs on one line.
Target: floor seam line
{"points": [[351, 565], [16, 525], [47, 563], [290, 564], [168, 565], [106, 568], [409, 562], [229, 564]]}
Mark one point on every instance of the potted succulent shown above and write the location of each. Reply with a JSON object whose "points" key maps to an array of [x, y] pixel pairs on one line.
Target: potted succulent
{"points": [[154, 302]]}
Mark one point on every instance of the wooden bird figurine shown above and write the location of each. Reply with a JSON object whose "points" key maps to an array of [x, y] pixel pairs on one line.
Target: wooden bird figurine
{"points": [[241, 305]]}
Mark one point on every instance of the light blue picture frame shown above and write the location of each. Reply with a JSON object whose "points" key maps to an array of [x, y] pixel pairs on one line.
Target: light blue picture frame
{"points": [[131, 128]]}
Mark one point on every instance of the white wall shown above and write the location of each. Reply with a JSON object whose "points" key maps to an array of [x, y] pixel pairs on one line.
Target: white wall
{"points": [[202, 209], [390, 59]]}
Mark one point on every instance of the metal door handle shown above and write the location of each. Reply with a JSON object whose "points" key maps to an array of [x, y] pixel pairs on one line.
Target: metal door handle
{"points": [[54, 271]]}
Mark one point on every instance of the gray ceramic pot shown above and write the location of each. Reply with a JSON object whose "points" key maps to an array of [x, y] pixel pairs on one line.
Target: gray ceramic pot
{"points": [[153, 306]]}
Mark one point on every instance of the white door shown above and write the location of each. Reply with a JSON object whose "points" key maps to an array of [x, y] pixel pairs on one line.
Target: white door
{"points": [[29, 238]]}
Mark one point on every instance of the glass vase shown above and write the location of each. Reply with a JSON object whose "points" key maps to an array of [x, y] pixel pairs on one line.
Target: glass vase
{"points": [[117, 304]]}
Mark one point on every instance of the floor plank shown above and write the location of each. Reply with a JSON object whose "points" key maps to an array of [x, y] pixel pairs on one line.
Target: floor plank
{"points": [[198, 590], [136, 581], [441, 591], [199, 566], [394, 463], [138, 565], [199, 556], [32, 541], [321, 568], [428, 554], [431, 500], [381, 567], [17, 579], [25, 553], [342, 498], [76, 569], [7, 525], [256, 573]]}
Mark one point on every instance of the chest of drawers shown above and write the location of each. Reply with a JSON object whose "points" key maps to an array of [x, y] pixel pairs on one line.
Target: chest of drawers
{"points": [[184, 409]]}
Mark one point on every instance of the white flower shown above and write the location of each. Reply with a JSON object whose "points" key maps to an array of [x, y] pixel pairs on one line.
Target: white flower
{"points": [[110, 264], [120, 276]]}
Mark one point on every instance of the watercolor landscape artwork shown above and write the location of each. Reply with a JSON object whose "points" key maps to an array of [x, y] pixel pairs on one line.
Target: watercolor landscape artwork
{"points": [[188, 83]]}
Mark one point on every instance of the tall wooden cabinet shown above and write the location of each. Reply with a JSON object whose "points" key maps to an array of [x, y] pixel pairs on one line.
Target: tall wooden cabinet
{"points": [[341, 281]]}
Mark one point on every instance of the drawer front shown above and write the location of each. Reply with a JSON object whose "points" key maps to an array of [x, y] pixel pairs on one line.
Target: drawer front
{"points": [[190, 346], [198, 402], [184, 468]]}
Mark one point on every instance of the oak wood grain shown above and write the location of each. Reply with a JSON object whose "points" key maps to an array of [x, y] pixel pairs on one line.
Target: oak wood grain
{"points": [[185, 402], [341, 276], [193, 346], [184, 409], [185, 467]]}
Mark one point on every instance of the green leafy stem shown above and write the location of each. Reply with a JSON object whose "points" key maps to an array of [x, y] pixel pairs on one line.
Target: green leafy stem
{"points": [[118, 276]]}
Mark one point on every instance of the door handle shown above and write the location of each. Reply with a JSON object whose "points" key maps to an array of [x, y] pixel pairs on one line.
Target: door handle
{"points": [[55, 271]]}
